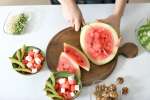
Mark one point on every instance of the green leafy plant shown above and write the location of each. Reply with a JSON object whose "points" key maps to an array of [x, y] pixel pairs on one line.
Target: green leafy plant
{"points": [[20, 23]]}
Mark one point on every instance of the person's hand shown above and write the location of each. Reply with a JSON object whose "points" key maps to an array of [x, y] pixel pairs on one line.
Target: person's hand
{"points": [[73, 14], [113, 20]]}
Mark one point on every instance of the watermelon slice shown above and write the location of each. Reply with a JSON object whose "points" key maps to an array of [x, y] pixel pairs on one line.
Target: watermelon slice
{"points": [[77, 56], [99, 41], [66, 63]]}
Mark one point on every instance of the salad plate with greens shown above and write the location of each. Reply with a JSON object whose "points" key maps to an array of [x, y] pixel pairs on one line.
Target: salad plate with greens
{"points": [[27, 60], [62, 86]]}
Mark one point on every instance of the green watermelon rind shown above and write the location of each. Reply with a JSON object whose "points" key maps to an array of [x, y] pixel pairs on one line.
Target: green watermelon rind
{"points": [[143, 35]]}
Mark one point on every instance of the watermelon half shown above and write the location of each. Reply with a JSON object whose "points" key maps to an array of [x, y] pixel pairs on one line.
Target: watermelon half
{"points": [[66, 63], [77, 56], [99, 41]]}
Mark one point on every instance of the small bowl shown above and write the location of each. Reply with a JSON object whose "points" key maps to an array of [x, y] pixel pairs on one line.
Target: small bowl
{"points": [[27, 49], [9, 20], [52, 81], [139, 24]]}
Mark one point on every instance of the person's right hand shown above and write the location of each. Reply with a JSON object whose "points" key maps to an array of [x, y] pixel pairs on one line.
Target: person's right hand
{"points": [[73, 14]]}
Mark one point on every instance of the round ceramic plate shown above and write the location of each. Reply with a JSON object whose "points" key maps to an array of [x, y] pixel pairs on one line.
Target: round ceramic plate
{"points": [[142, 22]]}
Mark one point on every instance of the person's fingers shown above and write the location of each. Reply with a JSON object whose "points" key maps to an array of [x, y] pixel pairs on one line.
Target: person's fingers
{"points": [[71, 21], [103, 21], [118, 42], [77, 24], [83, 21], [100, 20]]}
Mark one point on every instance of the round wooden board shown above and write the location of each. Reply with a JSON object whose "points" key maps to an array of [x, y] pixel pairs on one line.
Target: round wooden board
{"points": [[68, 35]]}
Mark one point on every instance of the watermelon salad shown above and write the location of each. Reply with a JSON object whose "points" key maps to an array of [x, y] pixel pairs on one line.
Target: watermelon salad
{"points": [[27, 60], [143, 34], [62, 86]]}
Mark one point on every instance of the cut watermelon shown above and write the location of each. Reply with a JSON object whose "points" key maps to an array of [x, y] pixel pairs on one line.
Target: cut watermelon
{"points": [[99, 41], [67, 64], [77, 56], [143, 34]]}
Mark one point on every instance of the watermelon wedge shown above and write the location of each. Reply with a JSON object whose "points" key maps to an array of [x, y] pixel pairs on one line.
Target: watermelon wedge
{"points": [[66, 63], [77, 56]]}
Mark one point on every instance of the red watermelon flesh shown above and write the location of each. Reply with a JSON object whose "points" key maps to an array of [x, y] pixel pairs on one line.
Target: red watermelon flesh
{"points": [[66, 63], [99, 42], [77, 56], [99, 45]]}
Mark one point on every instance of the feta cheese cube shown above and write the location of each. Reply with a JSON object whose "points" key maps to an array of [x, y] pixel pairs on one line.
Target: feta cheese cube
{"points": [[29, 65], [36, 51], [77, 87], [37, 60], [62, 90], [72, 94], [34, 70], [28, 58], [61, 80], [71, 77]]}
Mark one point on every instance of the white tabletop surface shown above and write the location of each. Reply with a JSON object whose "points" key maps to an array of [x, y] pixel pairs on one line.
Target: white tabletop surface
{"points": [[46, 22]]}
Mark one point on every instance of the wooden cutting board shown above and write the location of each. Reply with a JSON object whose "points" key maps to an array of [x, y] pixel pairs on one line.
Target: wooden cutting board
{"points": [[68, 35]]}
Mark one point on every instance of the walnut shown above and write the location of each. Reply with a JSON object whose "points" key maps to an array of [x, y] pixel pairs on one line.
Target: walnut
{"points": [[109, 92], [120, 80], [113, 94], [125, 90], [113, 87], [104, 98], [105, 94], [103, 86], [98, 98]]}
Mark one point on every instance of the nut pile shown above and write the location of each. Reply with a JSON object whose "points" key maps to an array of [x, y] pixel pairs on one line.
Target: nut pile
{"points": [[109, 92]]}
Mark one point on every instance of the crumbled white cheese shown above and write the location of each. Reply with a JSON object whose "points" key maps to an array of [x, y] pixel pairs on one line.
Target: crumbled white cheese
{"points": [[72, 94], [62, 90], [36, 51], [71, 77], [61, 80], [28, 58], [37, 60], [77, 87], [29, 65], [34, 70]]}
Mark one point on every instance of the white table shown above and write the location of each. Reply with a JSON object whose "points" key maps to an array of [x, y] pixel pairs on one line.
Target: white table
{"points": [[48, 21]]}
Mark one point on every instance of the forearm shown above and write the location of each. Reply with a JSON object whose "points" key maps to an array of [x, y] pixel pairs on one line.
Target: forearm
{"points": [[119, 7]]}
